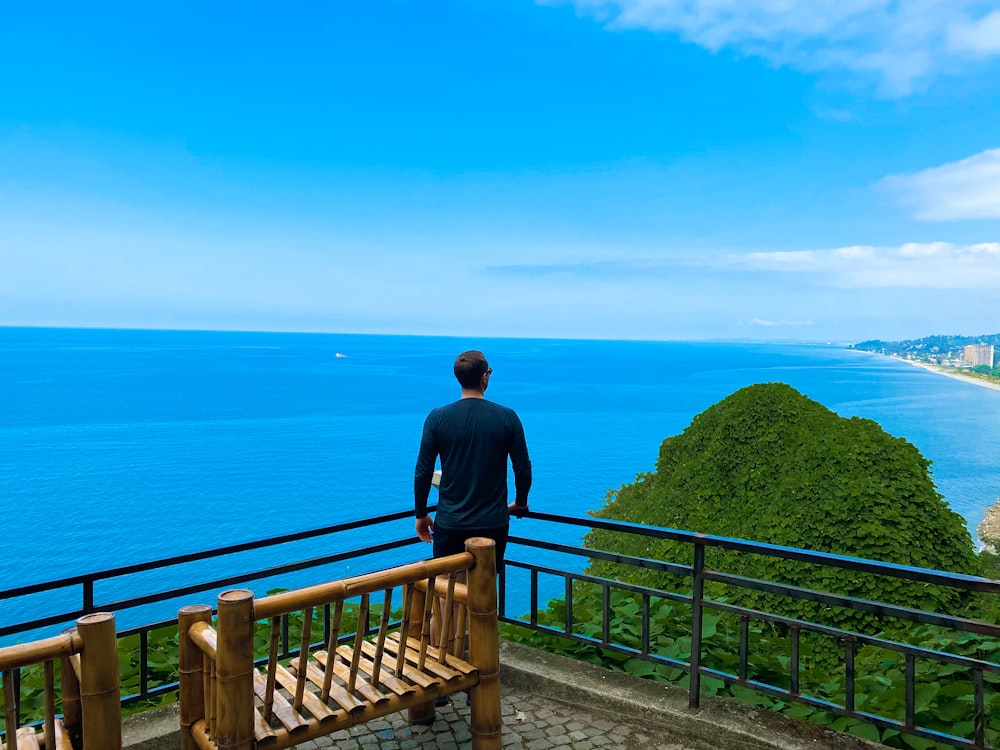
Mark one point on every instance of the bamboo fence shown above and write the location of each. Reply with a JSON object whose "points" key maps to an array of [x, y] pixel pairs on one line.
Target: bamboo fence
{"points": [[89, 683], [447, 604]]}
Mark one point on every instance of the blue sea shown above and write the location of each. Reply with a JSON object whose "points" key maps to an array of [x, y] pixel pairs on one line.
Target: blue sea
{"points": [[121, 446]]}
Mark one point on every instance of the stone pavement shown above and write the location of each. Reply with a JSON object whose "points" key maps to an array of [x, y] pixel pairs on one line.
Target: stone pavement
{"points": [[530, 722]]}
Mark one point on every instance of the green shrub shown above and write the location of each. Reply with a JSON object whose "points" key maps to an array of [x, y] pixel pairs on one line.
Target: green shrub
{"points": [[770, 465]]}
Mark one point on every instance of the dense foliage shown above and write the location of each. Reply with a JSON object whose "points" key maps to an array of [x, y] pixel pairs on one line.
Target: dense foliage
{"points": [[771, 465]]}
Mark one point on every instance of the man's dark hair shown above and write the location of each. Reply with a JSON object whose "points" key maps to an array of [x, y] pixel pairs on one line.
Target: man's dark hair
{"points": [[469, 368]]}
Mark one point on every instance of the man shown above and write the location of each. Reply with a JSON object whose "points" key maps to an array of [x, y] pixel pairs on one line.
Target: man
{"points": [[474, 437]]}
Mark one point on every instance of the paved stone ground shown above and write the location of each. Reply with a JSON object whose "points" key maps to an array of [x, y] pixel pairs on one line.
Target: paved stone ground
{"points": [[530, 722]]}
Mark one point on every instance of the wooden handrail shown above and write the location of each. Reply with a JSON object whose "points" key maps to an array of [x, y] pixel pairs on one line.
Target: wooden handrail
{"points": [[348, 588], [36, 652]]}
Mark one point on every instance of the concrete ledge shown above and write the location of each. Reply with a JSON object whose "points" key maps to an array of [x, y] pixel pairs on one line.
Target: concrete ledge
{"points": [[157, 729], [720, 723]]}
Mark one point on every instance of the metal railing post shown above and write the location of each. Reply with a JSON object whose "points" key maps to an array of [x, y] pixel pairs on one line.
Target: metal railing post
{"points": [[697, 595]]}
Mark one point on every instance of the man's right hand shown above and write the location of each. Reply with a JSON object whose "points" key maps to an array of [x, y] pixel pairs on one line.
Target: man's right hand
{"points": [[518, 511], [425, 529]]}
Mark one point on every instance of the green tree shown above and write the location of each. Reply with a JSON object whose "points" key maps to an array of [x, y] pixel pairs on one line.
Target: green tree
{"points": [[771, 465]]}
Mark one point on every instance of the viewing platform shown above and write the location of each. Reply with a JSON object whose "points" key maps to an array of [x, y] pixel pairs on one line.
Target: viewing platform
{"points": [[546, 598], [551, 702]]}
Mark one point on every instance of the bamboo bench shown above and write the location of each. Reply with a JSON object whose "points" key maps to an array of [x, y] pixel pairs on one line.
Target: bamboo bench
{"points": [[228, 702], [91, 696]]}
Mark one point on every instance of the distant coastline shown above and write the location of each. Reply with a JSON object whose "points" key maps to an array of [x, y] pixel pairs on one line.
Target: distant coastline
{"points": [[951, 372]]}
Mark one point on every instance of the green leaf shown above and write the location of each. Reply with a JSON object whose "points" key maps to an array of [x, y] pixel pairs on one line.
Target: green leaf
{"points": [[865, 731]]}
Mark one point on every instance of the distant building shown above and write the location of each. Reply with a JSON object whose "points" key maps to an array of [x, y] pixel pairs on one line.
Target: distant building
{"points": [[979, 354]]}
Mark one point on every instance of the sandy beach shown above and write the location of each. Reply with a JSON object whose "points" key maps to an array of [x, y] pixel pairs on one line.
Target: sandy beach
{"points": [[950, 372]]}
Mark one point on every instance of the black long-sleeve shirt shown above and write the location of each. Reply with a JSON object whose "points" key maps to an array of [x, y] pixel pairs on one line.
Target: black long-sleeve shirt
{"points": [[474, 438]]}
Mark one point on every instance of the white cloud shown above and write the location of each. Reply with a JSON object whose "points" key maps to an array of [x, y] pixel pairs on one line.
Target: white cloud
{"points": [[913, 265], [980, 37], [966, 189], [932, 265], [901, 43]]}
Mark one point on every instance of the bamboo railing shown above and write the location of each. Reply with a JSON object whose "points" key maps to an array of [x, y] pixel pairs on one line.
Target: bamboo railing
{"points": [[91, 710], [227, 702]]}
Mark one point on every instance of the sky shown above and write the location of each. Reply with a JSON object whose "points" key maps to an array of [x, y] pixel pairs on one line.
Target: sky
{"points": [[818, 170]]}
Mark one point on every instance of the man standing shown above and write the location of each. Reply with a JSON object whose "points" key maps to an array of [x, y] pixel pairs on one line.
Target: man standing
{"points": [[474, 437]]}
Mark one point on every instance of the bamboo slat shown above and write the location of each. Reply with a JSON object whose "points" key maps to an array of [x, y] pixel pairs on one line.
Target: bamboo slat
{"points": [[310, 701], [452, 668], [261, 730], [337, 693], [366, 667], [365, 690], [282, 709], [200, 734], [58, 740], [26, 739]]}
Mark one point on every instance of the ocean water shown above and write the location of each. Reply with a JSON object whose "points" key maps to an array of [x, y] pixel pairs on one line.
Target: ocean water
{"points": [[120, 446]]}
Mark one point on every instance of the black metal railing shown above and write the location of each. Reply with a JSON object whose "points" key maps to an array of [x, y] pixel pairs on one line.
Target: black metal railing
{"points": [[565, 563], [694, 597], [82, 590]]}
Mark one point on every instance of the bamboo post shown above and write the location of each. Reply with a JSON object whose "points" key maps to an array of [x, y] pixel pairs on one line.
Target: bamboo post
{"points": [[271, 679], [50, 703], [422, 713], [484, 644], [100, 687], [234, 727], [303, 664], [72, 715], [192, 672], [11, 717], [331, 649]]}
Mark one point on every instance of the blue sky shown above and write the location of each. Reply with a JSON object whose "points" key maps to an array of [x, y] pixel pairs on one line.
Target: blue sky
{"points": [[648, 169]]}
